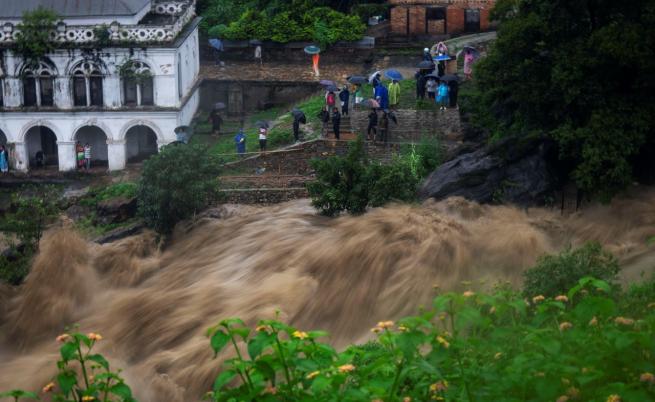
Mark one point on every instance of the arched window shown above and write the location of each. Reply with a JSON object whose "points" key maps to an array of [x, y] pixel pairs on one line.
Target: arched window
{"points": [[38, 85], [138, 87], [87, 85]]}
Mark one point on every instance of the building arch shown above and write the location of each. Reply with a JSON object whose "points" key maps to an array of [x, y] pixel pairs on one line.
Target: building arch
{"points": [[3, 138], [141, 142], [37, 123], [98, 62], [97, 139], [137, 83], [123, 133], [41, 146]]}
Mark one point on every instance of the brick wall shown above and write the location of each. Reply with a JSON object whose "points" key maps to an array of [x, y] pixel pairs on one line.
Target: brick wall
{"points": [[399, 20], [484, 19], [417, 20], [455, 20]]}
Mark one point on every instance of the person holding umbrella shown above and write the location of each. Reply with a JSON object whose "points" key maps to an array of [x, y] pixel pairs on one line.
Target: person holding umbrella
{"points": [[420, 84], [394, 93], [372, 125], [344, 97], [216, 120], [298, 119], [336, 123], [240, 141], [453, 89], [469, 58]]}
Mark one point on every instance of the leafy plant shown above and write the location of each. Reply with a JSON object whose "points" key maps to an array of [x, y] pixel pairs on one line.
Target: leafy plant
{"points": [[368, 10], [556, 272], [36, 27], [129, 70], [102, 35], [95, 381], [466, 347], [176, 184]]}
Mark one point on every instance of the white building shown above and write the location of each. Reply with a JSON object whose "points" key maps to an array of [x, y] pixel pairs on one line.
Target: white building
{"points": [[123, 77]]}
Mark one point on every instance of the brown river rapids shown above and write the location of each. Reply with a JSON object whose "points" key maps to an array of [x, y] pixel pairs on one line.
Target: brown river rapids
{"points": [[341, 275]]}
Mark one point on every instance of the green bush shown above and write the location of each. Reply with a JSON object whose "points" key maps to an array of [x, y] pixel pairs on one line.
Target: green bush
{"points": [[555, 273], [176, 184], [98, 194], [353, 182], [466, 347], [35, 28], [423, 158], [367, 10], [278, 137]]}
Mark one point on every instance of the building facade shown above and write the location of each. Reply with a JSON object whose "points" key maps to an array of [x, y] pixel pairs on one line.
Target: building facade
{"points": [[123, 77], [439, 17]]}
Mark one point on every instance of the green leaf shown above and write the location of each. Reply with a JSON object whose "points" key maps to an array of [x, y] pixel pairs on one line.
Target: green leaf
{"points": [[66, 381], [100, 360], [218, 341], [551, 346], [68, 351], [257, 344], [19, 393], [122, 390], [224, 378]]}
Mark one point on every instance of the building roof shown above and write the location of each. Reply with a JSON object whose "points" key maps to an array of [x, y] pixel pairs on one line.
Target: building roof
{"points": [[74, 8]]}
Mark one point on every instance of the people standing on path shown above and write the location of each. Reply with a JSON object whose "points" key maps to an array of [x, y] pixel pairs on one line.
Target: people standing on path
{"points": [[371, 130], [344, 97], [426, 55], [442, 96], [330, 99], [4, 159], [420, 85], [79, 155], [382, 96], [377, 80], [324, 116], [431, 88], [441, 69], [469, 58], [336, 123], [258, 55], [217, 122], [384, 127], [394, 93], [453, 90], [296, 126], [240, 141], [263, 134], [87, 156]]}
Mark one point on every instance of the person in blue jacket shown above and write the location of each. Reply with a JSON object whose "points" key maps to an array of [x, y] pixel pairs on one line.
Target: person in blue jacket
{"points": [[442, 95], [382, 96], [240, 140]]}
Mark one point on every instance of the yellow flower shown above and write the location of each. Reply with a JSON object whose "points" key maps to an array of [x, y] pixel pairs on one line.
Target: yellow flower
{"points": [[63, 338], [300, 335], [538, 299], [492, 310], [562, 298], [613, 398], [313, 374], [443, 342], [562, 398], [593, 322], [647, 377], [88, 398], [439, 386], [624, 321], [498, 355], [385, 324], [262, 328], [376, 330], [468, 293], [346, 368], [49, 387], [94, 337], [565, 325], [402, 328], [407, 399]]}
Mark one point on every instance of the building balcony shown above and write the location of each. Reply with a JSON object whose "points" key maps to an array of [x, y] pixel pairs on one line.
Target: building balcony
{"points": [[162, 25]]}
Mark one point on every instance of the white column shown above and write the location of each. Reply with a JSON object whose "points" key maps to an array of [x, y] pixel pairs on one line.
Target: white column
{"points": [[117, 154], [67, 159], [21, 159]]}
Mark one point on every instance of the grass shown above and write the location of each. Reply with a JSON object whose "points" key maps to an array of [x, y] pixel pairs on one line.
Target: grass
{"points": [[99, 194], [87, 227], [280, 135]]}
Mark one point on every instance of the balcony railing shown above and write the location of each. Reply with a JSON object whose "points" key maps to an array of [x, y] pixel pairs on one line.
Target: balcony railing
{"points": [[184, 11]]}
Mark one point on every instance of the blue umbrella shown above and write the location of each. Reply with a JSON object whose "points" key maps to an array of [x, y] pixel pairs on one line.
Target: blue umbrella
{"points": [[393, 75], [312, 49], [443, 57], [216, 44]]}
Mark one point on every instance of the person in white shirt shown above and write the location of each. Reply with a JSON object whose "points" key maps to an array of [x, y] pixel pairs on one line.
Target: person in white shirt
{"points": [[87, 156], [263, 132]]}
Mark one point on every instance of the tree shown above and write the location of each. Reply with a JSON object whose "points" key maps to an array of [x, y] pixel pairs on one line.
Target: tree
{"points": [[176, 184], [35, 29], [583, 72]]}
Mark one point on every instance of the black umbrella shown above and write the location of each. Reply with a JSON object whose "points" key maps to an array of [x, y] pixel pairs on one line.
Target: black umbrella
{"points": [[262, 124], [219, 106], [357, 80], [426, 65], [332, 88], [435, 76], [449, 77], [182, 129]]}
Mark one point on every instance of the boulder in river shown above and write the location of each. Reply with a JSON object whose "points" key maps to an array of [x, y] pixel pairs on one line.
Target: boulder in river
{"points": [[514, 170], [116, 210]]}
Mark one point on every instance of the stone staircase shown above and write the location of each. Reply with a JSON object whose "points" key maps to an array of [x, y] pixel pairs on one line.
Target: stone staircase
{"points": [[346, 130]]}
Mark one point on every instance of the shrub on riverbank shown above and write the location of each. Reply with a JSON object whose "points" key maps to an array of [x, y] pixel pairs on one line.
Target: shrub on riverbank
{"points": [[178, 182]]}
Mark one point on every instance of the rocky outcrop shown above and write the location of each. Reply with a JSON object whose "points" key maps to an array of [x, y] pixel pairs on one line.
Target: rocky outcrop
{"points": [[514, 170], [116, 210]]}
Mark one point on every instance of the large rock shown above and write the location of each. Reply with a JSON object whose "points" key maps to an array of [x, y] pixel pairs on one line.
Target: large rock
{"points": [[116, 210], [515, 170]]}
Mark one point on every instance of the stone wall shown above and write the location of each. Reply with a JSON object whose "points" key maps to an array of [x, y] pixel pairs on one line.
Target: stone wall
{"points": [[408, 17], [263, 196]]}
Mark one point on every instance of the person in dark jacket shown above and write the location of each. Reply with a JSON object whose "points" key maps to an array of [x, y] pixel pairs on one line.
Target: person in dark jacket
{"points": [[372, 125], [344, 97], [324, 116], [384, 127], [296, 126], [336, 123], [453, 90], [426, 54], [217, 121], [420, 84]]}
